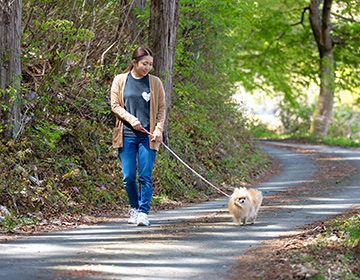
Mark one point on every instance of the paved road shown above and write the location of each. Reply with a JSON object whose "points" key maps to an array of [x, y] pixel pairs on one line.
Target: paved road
{"points": [[196, 242]]}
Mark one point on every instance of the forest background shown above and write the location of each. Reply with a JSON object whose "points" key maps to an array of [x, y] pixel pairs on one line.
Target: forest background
{"points": [[60, 161]]}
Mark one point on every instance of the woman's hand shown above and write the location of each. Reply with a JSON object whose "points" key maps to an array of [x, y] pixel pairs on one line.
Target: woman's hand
{"points": [[156, 137], [137, 125]]}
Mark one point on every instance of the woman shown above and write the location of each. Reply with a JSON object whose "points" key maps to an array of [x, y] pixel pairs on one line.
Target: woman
{"points": [[138, 100]]}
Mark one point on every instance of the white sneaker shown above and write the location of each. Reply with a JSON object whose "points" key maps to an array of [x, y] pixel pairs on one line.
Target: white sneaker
{"points": [[133, 216], [143, 220]]}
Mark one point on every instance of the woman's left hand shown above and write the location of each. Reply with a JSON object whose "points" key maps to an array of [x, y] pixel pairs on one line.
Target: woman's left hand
{"points": [[156, 137]]}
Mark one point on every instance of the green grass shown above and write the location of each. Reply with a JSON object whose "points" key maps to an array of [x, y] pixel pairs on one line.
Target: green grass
{"points": [[338, 141]]}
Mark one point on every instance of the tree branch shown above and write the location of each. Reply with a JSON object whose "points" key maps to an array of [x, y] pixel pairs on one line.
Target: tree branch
{"points": [[302, 17], [344, 18], [326, 25], [315, 19]]}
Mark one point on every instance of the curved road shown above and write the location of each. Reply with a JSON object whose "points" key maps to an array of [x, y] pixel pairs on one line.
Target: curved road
{"points": [[195, 242]]}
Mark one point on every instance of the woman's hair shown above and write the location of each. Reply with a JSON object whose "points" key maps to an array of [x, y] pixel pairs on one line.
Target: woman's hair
{"points": [[138, 54]]}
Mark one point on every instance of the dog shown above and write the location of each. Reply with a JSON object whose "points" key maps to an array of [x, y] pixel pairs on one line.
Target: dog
{"points": [[244, 205]]}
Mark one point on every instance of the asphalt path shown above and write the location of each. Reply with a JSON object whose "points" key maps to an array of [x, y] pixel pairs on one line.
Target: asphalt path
{"points": [[196, 242]]}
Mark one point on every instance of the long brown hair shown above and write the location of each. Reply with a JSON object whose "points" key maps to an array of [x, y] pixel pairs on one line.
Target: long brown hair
{"points": [[138, 54]]}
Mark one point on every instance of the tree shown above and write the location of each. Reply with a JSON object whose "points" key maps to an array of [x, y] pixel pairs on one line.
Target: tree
{"points": [[10, 67], [135, 22], [321, 27], [163, 27], [282, 57]]}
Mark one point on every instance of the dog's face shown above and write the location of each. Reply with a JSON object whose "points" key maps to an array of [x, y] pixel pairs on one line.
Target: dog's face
{"points": [[239, 201]]}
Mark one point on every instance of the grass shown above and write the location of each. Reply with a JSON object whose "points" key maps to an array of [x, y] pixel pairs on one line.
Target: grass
{"points": [[337, 141], [348, 230]]}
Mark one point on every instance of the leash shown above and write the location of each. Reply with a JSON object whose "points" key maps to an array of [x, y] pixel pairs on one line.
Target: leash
{"points": [[184, 163]]}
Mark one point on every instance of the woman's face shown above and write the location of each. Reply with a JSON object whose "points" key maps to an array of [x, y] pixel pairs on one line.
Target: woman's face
{"points": [[143, 67]]}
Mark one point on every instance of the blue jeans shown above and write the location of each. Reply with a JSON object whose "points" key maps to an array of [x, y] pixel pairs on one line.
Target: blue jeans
{"points": [[137, 153]]}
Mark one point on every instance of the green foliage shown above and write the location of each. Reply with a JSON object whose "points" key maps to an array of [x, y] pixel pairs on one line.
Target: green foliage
{"points": [[276, 56], [343, 128], [328, 249], [296, 117], [338, 141], [345, 123], [279, 56], [209, 33], [207, 130], [8, 223], [349, 230], [63, 162], [48, 134]]}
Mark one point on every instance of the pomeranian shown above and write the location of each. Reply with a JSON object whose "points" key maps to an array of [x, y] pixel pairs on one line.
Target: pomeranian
{"points": [[244, 205]]}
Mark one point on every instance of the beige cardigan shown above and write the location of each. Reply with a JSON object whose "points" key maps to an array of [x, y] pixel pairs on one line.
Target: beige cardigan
{"points": [[157, 109]]}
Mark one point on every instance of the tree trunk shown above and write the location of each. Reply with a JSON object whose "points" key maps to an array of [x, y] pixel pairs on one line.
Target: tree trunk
{"points": [[134, 22], [321, 27], [10, 67], [137, 28], [163, 27], [88, 40]]}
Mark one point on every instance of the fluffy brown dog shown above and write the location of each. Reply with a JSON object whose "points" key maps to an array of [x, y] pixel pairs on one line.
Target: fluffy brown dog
{"points": [[244, 205]]}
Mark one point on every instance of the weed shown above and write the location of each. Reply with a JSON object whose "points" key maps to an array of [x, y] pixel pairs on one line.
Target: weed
{"points": [[7, 223], [349, 229]]}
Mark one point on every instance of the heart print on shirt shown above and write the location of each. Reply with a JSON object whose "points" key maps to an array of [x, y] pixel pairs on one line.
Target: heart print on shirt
{"points": [[146, 96]]}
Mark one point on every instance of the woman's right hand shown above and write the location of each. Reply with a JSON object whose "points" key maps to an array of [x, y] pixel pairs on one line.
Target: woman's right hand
{"points": [[137, 125]]}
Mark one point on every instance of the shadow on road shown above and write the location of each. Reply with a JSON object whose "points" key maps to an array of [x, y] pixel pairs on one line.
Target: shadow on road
{"points": [[194, 242]]}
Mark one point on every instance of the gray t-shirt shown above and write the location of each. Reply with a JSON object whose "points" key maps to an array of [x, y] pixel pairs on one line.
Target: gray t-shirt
{"points": [[137, 103]]}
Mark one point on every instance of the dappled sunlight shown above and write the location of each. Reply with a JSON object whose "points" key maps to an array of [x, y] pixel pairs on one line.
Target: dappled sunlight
{"points": [[348, 154], [353, 158], [183, 244], [275, 185], [188, 242], [335, 200]]}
